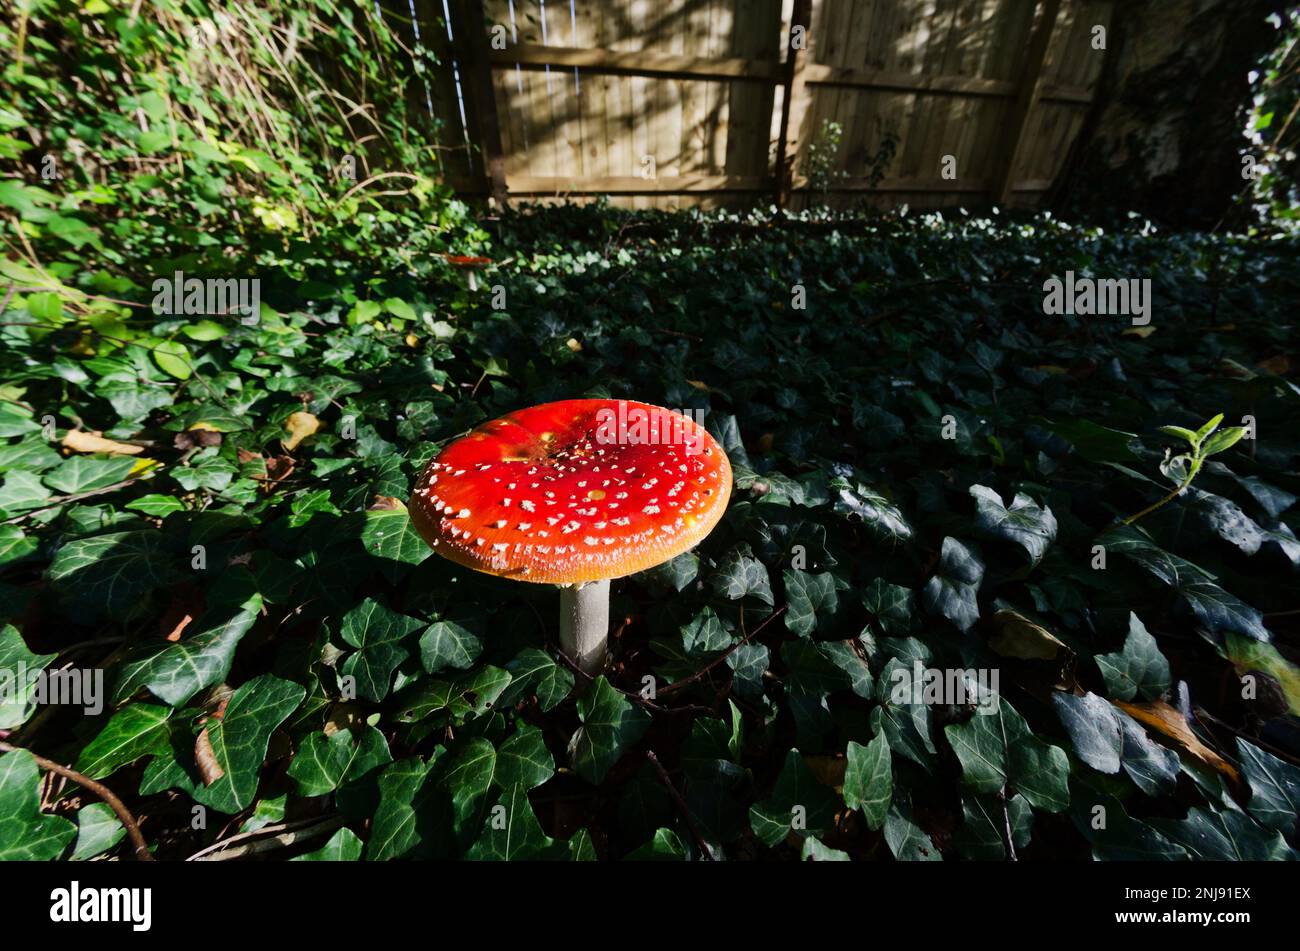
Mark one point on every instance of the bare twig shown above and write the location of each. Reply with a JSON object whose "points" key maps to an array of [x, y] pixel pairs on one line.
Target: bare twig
{"points": [[99, 789], [681, 805], [270, 837], [1006, 826], [635, 697], [74, 497], [725, 654]]}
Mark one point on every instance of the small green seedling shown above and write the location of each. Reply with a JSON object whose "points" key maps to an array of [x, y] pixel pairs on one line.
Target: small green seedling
{"points": [[1203, 443]]}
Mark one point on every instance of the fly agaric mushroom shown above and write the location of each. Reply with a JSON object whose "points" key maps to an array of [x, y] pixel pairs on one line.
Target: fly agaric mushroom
{"points": [[470, 265], [574, 493]]}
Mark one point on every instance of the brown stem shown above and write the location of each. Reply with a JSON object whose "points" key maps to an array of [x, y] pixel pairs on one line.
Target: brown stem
{"points": [[681, 805], [142, 852], [725, 654]]}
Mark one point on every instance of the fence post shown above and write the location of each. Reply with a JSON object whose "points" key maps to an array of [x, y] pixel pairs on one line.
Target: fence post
{"points": [[1031, 87], [471, 37], [793, 84]]}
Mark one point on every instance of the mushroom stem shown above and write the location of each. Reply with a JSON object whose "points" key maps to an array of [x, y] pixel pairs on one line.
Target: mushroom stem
{"points": [[584, 623]]}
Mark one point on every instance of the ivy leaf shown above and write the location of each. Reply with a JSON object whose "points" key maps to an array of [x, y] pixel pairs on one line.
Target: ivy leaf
{"points": [[953, 590], [15, 545], [175, 672], [997, 750], [26, 834], [394, 831], [466, 696], [908, 841], [98, 830], [523, 760], [377, 632], [390, 535], [447, 644], [811, 672], [740, 575], [240, 738], [135, 731], [343, 846], [1274, 788], [22, 491], [890, 604], [19, 668], [982, 836], [610, 724], [1226, 836], [1093, 442], [884, 518], [1153, 768], [1027, 524], [904, 720], [1094, 729], [798, 804], [869, 780], [814, 850], [1139, 668], [467, 775], [845, 656], [810, 596], [536, 672], [511, 831], [324, 763], [86, 473], [109, 574], [705, 634], [1220, 611]]}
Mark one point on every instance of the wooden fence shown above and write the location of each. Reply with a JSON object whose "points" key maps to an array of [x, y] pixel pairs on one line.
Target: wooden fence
{"points": [[674, 103]]}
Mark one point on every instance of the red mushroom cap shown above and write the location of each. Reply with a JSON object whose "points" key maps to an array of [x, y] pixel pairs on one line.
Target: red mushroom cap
{"points": [[574, 491]]}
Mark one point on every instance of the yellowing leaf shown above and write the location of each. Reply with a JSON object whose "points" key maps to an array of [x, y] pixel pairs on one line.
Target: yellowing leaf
{"points": [[1017, 636], [574, 345], [1142, 332], [300, 425], [79, 441], [1168, 721]]}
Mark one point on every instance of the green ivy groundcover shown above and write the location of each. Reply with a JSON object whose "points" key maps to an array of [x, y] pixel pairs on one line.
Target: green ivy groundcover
{"points": [[1009, 567]]}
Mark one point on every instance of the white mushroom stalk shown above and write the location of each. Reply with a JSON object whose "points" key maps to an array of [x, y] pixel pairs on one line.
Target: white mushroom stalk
{"points": [[584, 624]]}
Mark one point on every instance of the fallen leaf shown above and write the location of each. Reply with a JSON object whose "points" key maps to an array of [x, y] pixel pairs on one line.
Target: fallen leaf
{"points": [[299, 425], [1163, 718], [828, 769], [1017, 636], [1278, 365], [79, 441], [1142, 332], [574, 345], [384, 503], [205, 757]]}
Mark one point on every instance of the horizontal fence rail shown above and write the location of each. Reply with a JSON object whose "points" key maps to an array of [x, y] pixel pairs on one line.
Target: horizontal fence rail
{"points": [[663, 103]]}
